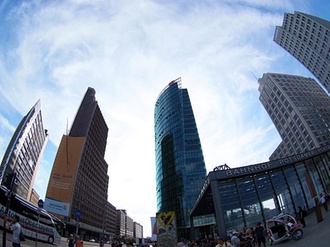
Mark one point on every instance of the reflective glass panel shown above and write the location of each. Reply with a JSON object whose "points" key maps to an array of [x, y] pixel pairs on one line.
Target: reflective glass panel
{"points": [[231, 206], [249, 199], [301, 172], [282, 191], [267, 195]]}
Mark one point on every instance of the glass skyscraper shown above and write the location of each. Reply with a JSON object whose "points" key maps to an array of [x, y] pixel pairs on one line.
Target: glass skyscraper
{"points": [[24, 152], [307, 38], [180, 167]]}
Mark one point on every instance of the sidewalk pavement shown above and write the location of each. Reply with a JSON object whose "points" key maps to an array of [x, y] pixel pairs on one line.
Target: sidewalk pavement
{"points": [[315, 234]]}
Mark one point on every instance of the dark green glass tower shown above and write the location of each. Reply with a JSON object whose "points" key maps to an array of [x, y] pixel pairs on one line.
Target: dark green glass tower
{"points": [[180, 167]]}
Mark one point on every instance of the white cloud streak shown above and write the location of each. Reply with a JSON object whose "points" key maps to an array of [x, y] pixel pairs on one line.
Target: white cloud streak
{"points": [[128, 51]]}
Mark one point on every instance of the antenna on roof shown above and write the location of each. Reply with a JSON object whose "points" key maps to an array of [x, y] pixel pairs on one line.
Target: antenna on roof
{"points": [[253, 75]]}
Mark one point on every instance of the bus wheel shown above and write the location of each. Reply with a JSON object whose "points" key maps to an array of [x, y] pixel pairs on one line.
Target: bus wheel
{"points": [[50, 240]]}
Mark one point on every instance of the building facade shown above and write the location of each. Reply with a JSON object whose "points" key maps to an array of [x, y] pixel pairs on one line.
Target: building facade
{"points": [[307, 38], [111, 221], [78, 185], [34, 198], [300, 111], [138, 231], [24, 152], [241, 197], [180, 167], [129, 227], [121, 223]]}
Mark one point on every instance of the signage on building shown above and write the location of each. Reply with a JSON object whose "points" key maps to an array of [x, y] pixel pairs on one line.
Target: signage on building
{"points": [[166, 229], [251, 169], [62, 179]]}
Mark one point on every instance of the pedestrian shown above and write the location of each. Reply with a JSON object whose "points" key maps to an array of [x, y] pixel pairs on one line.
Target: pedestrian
{"points": [[260, 234], [235, 241], [324, 202], [302, 214], [16, 228], [79, 242], [222, 243], [71, 241]]}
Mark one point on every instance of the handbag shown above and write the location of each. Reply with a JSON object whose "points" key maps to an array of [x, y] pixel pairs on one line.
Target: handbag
{"points": [[21, 236]]}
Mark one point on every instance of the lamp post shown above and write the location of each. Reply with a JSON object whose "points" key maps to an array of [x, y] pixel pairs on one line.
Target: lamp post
{"points": [[77, 213], [103, 225], [40, 206]]}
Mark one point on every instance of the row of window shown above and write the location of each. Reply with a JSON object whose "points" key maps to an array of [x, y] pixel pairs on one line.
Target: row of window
{"points": [[247, 200]]}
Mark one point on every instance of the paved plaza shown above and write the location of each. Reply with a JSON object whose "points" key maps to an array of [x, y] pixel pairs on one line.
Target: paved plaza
{"points": [[315, 234]]}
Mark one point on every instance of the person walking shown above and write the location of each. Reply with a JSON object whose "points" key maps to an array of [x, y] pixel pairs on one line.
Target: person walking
{"points": [[302, 214], [324, 202], [235, 241], [260, 234], [223, 243], [16, 227], [71, 241]]}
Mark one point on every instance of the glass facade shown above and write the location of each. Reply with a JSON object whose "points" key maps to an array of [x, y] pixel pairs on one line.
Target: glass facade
{"points": [[247, 195], [180, 167]]}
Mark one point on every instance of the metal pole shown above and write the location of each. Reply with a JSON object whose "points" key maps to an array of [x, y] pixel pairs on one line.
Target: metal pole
{"points": [[36, 242], [77, 227], [103, 223]]}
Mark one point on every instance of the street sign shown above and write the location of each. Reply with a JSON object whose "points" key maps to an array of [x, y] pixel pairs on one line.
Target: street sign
{"points": [[77, 213], [40, 203]]}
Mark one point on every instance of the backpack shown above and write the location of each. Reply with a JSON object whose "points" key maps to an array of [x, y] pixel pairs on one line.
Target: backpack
{"points": [[304, 212], [21, 236]]}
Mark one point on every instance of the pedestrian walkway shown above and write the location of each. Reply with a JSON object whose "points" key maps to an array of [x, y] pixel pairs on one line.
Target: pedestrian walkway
{"points": [[315, 234]]}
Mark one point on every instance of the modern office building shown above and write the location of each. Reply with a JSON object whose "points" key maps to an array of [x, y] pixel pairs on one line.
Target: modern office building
{"points": [[138, 230], [307, 38], [111, 221], [24, 152], [129, 227], [300, 111], [121, 223], [180, 167], [78, 185], [241, 197]]}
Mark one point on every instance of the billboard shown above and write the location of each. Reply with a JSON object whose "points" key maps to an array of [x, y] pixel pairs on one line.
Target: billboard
{"points": [[62, 178], [166, 229]]}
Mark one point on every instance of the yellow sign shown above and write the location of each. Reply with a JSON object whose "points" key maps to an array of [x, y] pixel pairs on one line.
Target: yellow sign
{"points": [[166, 229]]}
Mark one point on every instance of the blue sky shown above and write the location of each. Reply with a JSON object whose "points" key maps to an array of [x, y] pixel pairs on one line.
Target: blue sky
{"points": [[128, 51]]}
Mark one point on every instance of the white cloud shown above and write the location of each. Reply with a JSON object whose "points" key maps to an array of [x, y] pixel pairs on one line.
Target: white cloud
{"points": [[128, 51]]}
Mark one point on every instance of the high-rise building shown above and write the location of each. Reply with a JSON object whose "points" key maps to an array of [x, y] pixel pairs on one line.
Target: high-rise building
{"points": [[138, 230], [78, 183], [300, 111], [111, 221], [307, 38], [121, 223], [180, 167], [24, 152]]}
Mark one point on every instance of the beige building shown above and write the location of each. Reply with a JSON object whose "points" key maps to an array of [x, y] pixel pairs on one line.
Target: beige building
{"points": [[78, 184]]}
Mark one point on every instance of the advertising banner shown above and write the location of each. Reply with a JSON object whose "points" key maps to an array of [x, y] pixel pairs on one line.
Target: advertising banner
{"points": [[62, 178], [166, 229]]}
